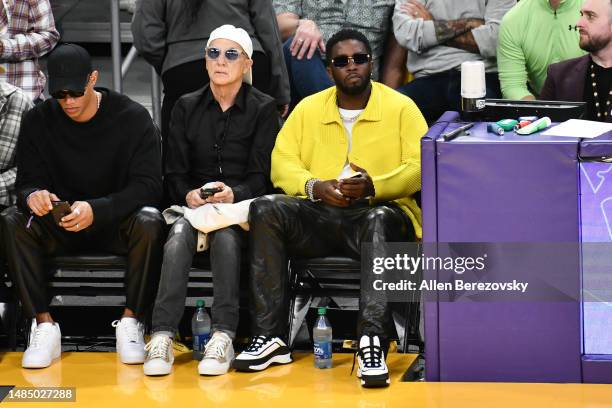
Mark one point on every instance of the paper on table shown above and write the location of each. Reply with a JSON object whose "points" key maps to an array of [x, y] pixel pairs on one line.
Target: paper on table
{"points": [[586, 129]]}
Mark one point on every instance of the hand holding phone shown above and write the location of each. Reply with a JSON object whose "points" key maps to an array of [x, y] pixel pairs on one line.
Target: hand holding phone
{"points": [[39, 202], [358, 186], [60, 210], [354, 176], [207, 192]]}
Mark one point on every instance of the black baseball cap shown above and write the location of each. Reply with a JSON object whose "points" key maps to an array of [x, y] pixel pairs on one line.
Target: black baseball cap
{"points": [[69, 66]]}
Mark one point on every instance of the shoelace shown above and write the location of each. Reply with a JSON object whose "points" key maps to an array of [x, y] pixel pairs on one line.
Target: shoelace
{"points": [[158, 347], [370, 355], [216, 347], [39, 333], [257, 343], [131, 330]]}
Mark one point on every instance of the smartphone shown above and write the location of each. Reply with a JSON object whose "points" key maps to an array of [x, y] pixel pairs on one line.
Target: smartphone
{"points": [[60, 210], [354, 176], [207, 192]]}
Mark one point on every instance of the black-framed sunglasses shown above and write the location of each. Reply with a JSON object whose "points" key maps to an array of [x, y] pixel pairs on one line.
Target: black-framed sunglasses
{"points": [[342, 61], [63, 94], [231, 54]]}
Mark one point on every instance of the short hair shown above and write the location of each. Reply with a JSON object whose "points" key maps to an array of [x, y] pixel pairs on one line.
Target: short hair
{"points": [[343, 35]]}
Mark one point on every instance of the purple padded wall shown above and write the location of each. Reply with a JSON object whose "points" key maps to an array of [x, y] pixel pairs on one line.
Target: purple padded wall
{"points": [[504, 189], [430, 225]]}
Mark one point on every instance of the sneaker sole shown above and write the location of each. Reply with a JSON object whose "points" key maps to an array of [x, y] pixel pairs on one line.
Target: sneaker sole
{"points": [[132, 361], [39, 365], [157, 372], [57, 354], [278, 359], [214, 372], [373, 381]]}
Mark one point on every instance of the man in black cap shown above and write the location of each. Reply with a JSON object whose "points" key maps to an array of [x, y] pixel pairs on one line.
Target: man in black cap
{"points": [[99, 152]]}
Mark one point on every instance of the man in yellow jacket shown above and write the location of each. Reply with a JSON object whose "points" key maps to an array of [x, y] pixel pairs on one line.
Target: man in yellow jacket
{"points": [[348, 160]]}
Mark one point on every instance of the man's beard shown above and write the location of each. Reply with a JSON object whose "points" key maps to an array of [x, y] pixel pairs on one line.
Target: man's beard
{"points": [[353, 89], [594, 44]]}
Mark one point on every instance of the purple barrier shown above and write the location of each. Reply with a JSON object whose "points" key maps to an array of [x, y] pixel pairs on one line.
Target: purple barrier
{"points": [[429, 203], [596, 230], [485, 188], [597, 369]]}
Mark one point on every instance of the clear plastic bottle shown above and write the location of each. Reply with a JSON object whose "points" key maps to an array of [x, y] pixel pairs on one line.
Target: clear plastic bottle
{"points": [[200, 329], [322, 339]]}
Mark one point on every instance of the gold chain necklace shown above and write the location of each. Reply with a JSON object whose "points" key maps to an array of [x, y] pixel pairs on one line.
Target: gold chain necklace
{"points": [[596, 96]]}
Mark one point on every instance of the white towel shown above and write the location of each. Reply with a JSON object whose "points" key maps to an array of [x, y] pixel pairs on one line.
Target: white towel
{"points": [[210, 217]]}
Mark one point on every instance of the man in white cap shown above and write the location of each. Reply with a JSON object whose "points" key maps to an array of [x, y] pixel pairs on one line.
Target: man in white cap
{"points": [[221, 136]]}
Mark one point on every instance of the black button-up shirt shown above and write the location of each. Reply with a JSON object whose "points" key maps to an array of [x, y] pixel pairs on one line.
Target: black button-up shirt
{"points": [[206, 144]]}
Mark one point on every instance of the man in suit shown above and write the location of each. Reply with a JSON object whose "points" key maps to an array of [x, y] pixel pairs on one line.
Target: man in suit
{"points": [[587, 78]]}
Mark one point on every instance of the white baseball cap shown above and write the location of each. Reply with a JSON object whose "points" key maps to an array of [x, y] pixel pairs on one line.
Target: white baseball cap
{"points": [[237, 35]]}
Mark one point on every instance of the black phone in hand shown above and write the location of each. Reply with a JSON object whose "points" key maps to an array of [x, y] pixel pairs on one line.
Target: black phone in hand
{"points": [[207, 192], [60, 210]]}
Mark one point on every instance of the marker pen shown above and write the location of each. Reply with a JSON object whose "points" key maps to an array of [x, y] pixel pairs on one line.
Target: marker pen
{"points": [[495, 128], [507, 124], [536, 126], [522, 124]]}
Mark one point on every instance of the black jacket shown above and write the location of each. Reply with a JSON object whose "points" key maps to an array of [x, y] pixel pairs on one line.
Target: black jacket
{"points": [[565, 80]]}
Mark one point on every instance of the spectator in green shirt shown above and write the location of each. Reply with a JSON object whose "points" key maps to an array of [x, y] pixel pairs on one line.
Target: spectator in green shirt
{"points": [[533, 35]]}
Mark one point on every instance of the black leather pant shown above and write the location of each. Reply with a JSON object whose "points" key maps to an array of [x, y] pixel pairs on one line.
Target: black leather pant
{"points": [[225, 252], [283, 227], [140, 236]]}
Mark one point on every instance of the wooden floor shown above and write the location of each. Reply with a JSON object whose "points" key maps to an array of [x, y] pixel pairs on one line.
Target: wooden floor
{"points": [[102, 381]]}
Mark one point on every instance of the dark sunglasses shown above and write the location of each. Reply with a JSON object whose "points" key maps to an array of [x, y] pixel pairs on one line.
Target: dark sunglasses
{"points": [[231, 54], [65, 93], [342, 61]]}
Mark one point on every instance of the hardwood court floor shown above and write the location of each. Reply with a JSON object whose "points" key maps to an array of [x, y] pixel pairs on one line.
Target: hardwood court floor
{"points": [[101, 381]]}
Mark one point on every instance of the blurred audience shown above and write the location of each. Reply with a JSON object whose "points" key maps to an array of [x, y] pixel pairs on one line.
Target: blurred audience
{"points": [[306, 25], [13, 105], [533, 35], [27, 32], [440, 35]]}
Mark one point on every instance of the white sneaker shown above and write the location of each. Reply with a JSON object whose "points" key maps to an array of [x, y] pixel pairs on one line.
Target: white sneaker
{"points": [[261, 352], [45, 346], [372, 370], [130, 340], [160, 356], [218, 355]]}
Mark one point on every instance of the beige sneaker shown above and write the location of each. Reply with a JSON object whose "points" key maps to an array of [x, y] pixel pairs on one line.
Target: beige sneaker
{"points": [[218, 355], [160, 357]]}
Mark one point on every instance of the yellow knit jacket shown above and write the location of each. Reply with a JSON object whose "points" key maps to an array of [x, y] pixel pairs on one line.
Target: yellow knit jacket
{"points": [[313, 143]]}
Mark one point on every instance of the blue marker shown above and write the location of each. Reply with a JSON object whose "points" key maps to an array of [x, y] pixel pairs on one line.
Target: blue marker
{"points": [[495, 128]]}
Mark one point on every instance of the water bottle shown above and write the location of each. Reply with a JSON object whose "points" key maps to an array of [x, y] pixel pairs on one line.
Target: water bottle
{"points": [[322, 338], [200, 328]]}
